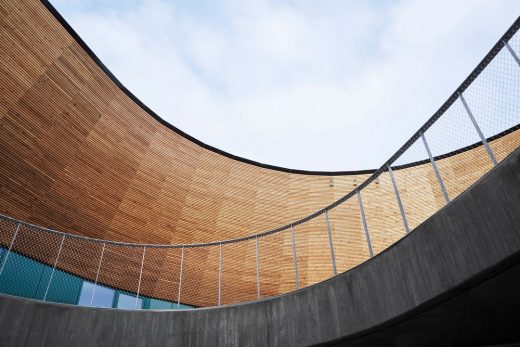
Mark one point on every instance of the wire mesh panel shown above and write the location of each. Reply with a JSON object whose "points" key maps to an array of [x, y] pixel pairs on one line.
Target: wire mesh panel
{"points": [[494, 98], [419, 188], [459, 151], [384, 221], [28, 267], [78, 257], [7, 230], [276, 268], [8, 233], [514, 42], [121, 269], [161, 276], [239, 272], [350, 246], [200, 276], [313, 250]]}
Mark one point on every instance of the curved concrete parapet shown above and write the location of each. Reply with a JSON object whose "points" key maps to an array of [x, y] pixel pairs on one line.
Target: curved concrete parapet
{"points": [[468, 244]]}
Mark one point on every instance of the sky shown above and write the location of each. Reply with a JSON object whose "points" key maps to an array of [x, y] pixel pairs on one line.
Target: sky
{"points": [[326, 85]]}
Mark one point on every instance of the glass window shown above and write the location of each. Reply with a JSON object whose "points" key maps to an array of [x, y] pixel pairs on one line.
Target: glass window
{"points": [[156, 304], [181, 307], [103, 296], [128, 302]]}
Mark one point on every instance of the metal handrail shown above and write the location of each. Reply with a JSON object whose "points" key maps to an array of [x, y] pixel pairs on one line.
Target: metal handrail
{"points": [[503, 41]]}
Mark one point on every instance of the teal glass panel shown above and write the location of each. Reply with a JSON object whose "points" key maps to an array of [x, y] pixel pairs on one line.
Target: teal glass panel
{"points": [[64, 288], [103, 296], [128, 302], [23, 277], [29, 278], [156, 304]]}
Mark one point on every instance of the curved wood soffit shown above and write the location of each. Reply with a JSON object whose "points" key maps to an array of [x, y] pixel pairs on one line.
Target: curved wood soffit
{"points": [[80, 153]]}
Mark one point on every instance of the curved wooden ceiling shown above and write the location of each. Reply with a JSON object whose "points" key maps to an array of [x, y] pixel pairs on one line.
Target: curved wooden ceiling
{"points": [[80, 153]]}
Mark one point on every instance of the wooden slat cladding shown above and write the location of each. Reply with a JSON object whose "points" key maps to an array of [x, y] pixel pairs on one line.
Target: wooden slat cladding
{"points": [[79, 155]]}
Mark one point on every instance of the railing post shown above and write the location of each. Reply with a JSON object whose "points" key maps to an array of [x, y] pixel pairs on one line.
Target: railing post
{"points": [[295, 258], [54, 268], [510, 49], [219, 271], [10, 247], [399, 202], [257, 272], [140, 277], [97, 274], [477, 128], [365, 226], [435, 169], [180, 279], [331, 245]]}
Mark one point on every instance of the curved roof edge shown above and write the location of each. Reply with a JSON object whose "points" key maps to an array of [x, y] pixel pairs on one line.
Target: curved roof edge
{"points": [[165, 123], [462, 87]]}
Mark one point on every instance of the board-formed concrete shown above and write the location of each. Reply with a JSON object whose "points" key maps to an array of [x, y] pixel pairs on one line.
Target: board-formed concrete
{"points": [[470, 237]]}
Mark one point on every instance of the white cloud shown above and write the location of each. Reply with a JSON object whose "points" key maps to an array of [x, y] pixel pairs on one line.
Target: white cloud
{"points": [[329, 85]]}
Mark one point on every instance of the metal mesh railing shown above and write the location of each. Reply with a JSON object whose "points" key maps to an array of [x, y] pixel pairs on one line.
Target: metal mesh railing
{"points": [[476, 128]]}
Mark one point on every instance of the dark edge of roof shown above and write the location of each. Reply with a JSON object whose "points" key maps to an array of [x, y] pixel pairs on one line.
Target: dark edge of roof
{"points": [[447, 104], [125, 90], [139, 103], [375, 173]]}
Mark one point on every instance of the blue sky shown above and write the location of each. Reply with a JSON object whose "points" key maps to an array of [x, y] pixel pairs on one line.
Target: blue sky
{"points": [[317, 85]]}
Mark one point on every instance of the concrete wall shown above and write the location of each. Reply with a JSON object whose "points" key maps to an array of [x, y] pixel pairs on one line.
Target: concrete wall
{"points": [[474, 233]]}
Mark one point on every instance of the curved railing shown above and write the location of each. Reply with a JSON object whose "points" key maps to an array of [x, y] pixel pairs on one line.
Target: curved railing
{"points": [[472, 131]]}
